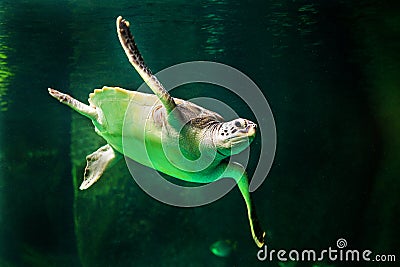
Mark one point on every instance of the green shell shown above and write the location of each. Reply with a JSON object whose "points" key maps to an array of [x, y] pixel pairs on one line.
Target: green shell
{"points": [[133, 122]]}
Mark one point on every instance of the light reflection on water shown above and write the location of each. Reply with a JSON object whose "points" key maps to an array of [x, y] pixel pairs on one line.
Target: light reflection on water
{"points": [[5, 71]]}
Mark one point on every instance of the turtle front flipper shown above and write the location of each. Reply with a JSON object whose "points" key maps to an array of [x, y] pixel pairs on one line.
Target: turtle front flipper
{"points": [[97, 163], [135, 58], [237, 171]]}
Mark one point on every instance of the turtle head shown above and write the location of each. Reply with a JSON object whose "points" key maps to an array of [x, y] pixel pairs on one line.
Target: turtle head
{"points": [[234, 136]]}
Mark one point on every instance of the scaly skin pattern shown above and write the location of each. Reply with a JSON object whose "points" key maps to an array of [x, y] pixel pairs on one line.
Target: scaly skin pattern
{"points": [[136, 59]]}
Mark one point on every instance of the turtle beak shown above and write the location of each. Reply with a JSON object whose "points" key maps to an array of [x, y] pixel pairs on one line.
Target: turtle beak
{"points": [[251, 129]]}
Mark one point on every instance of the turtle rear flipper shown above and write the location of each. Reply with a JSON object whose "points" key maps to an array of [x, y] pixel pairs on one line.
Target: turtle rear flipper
{"points": [[80, 107], [97, 163]]}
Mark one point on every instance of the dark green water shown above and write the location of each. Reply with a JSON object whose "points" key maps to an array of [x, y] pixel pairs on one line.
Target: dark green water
{"points": [[329, 70]]}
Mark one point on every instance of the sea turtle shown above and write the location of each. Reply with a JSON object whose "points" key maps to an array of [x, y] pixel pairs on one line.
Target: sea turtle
{"points": [[159, 119]]}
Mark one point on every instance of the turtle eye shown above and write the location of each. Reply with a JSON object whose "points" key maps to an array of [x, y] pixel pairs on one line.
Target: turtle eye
{"points": [[238, 124]]}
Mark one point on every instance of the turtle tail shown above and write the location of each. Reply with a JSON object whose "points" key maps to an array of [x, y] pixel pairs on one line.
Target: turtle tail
{"points": [[76, 105], [135, 58]]}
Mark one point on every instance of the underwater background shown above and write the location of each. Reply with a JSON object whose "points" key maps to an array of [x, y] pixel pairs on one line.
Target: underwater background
{"points": [[329, 69]]}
